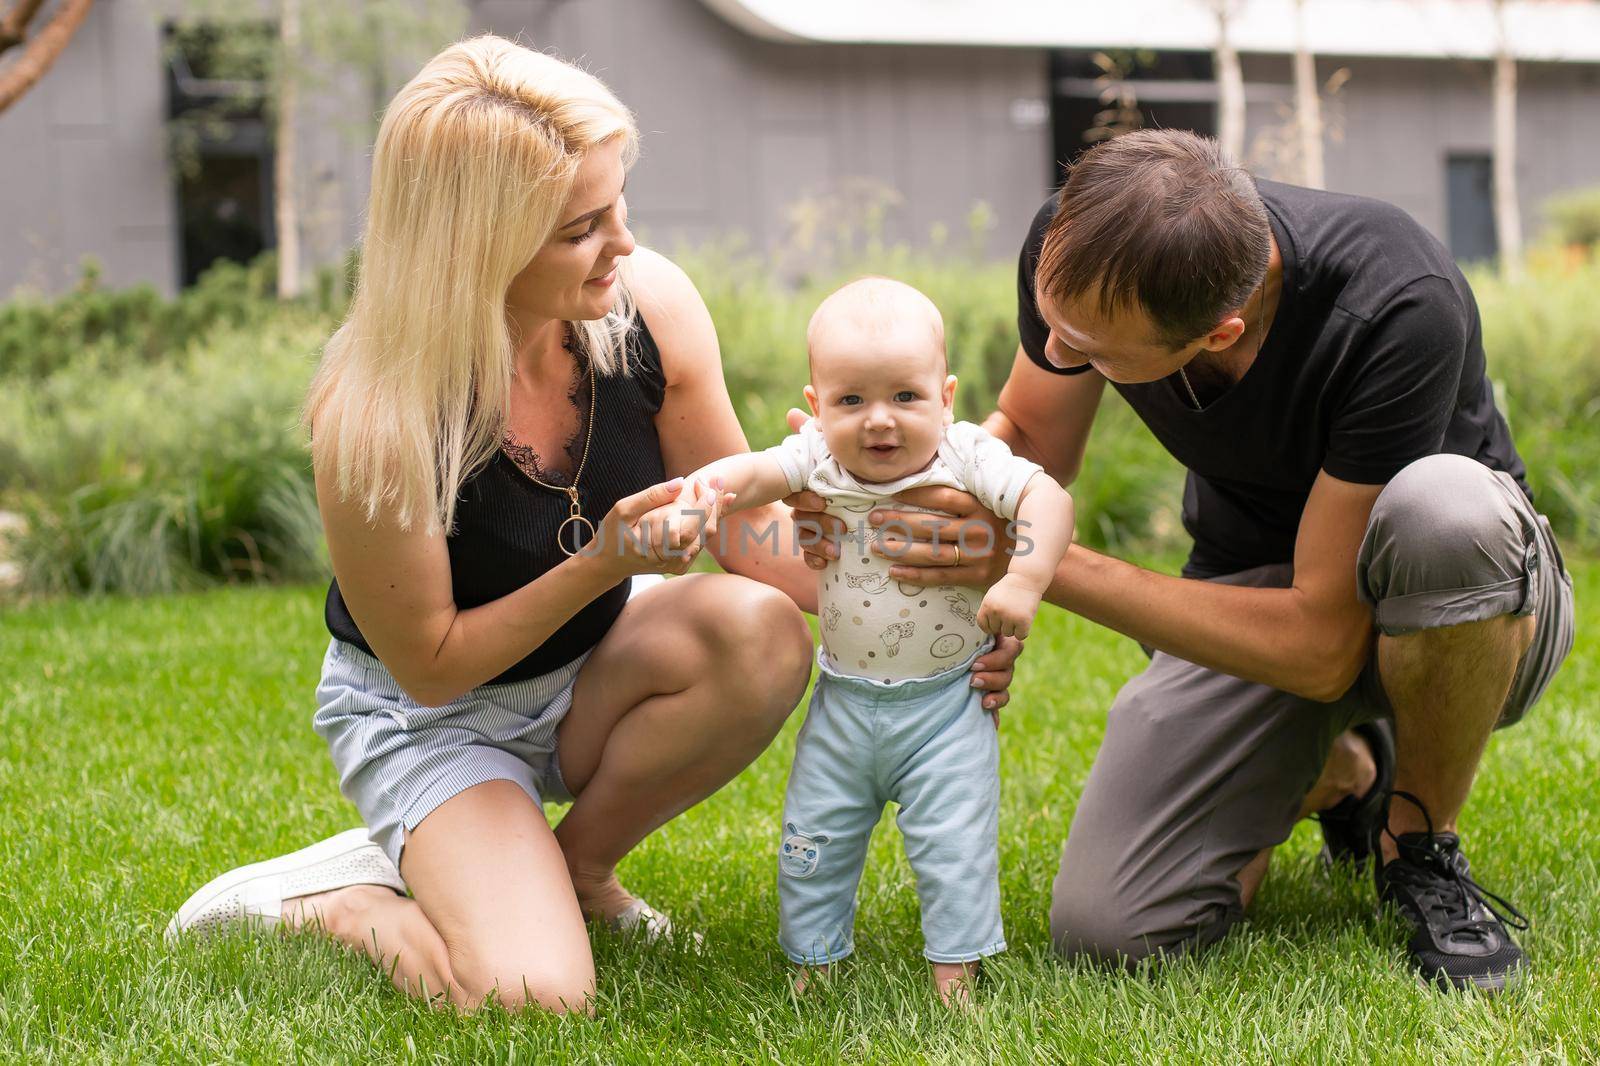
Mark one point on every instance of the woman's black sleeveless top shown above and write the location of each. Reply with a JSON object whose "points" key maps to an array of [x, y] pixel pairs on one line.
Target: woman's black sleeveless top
{"points": [[506, 526]]}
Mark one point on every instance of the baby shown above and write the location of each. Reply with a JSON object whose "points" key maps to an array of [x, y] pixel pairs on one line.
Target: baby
{"points": [[893, 715]]}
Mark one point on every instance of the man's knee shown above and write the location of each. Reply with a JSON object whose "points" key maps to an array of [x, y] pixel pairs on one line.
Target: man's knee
{"points": [[1095, 931], [1444, 523], [1100, 923]]}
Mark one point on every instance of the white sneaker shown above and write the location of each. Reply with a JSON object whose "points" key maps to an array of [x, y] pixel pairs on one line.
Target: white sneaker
{"points": [[254, 894]]}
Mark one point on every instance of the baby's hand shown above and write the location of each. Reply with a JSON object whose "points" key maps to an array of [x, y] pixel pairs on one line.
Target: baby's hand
{"points": [[704, 502], [1008, 608], [676, 529]]}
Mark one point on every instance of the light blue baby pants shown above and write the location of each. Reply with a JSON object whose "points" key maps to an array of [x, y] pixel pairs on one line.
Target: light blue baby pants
{"points": [[926, 744]]}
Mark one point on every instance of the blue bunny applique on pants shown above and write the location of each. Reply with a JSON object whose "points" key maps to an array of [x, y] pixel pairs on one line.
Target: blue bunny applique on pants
{"points": [[927, 745]]}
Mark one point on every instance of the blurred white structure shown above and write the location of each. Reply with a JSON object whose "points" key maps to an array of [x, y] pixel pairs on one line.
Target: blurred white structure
{"points": [[1540, 30], [780, 118]]}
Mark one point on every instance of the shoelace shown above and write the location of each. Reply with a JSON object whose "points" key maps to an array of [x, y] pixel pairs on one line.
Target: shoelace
{"points": [[1440, 857]]}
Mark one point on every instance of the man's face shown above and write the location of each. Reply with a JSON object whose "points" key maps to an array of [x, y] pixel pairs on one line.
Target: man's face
{"points": [[1122, 345]]}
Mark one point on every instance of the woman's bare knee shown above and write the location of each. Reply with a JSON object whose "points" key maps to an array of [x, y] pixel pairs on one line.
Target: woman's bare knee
{"points": [[515, 984], [756, 634]]}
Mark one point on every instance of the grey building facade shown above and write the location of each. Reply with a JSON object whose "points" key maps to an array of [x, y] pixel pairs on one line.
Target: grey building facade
{"points": [[747, 135]]}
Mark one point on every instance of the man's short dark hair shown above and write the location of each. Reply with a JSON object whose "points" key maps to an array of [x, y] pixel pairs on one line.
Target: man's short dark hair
{"points": [[1161, 219]]}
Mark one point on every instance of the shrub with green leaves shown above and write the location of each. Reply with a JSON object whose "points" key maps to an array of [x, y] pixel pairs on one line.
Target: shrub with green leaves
{"points": [[1542, 335], [1574, 217], [153, 445], [125, 327], [165, 475]]}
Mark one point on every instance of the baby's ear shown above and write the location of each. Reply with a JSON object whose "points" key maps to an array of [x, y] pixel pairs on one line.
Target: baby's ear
{"points": [[811, 401], [949, 398]]}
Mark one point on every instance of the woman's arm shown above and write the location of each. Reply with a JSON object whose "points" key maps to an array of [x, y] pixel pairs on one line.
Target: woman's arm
{"points": [[397, 586], [697, 425]]}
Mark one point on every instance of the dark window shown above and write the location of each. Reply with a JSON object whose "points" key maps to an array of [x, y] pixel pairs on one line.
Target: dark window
{"points": [[1469, 199], [221, 142], [1166, 90]]}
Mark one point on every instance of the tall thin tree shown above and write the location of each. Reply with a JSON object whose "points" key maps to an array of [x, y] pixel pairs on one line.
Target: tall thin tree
{"points": [[40, 51], [1307, 103], [1230, 82], [313, 52], [1507, 214], [286, 204]]}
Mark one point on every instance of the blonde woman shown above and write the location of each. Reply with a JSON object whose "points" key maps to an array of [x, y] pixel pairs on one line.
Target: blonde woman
{"points": [[515, 381]]}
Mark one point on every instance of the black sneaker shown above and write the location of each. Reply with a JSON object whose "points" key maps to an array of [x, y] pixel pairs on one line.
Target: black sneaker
{"points": [[1350, 827], [1458, 939]]}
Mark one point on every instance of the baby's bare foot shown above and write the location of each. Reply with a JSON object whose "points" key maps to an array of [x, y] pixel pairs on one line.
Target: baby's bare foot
{"points": [[956, 982], [806, 975]]}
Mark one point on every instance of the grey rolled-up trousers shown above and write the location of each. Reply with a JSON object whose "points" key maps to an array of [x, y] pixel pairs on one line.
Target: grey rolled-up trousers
{"points": [[1199, 771]]}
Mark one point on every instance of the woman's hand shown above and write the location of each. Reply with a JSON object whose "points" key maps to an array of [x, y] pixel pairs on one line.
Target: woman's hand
{"points": [[659, 530]]}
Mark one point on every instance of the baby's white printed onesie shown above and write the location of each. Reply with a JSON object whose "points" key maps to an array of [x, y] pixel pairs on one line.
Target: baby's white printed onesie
{"points": [[872, 625]]}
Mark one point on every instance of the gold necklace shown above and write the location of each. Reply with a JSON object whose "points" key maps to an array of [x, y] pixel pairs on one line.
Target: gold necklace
{"points": [[1261, 340], [575, 516]]}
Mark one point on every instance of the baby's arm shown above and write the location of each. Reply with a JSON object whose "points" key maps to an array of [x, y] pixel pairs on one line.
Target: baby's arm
{"points": [[738, 482], [753, 479], [733, 483], [1044, 532]]}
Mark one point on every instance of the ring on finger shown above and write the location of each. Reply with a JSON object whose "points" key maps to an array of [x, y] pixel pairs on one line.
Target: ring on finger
{"points": [[958, 555]]}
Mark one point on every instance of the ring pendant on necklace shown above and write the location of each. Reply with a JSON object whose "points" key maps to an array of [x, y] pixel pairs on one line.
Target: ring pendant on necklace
{"points": [[585, 528]]}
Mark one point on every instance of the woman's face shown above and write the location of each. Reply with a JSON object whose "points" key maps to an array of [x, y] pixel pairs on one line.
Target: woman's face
{"points": [[573, 277]]}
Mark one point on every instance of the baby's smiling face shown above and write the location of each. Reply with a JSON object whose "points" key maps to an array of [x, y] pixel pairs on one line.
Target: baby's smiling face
{"points": [[879, 388]]}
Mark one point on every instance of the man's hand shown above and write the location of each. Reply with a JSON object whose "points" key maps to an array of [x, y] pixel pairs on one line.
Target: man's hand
{"points": [[966, 544], [991, 672], [819, 535]]}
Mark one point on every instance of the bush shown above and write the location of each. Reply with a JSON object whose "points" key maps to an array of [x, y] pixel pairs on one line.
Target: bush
{"points": [[168, 475], [1575, 217], [142, 468], [1542, 335], [129, 327]]}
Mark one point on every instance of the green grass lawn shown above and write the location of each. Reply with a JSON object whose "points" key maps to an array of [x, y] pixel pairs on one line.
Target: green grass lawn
{"points": [[147, 745]]}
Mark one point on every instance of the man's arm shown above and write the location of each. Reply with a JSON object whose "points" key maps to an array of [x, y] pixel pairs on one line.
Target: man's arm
{"points": [[1311, 639], [1046, 417]]}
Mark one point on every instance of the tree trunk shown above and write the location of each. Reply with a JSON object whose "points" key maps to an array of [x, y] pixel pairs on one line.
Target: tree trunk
{"points": [[286, 203], [1307, 104], [41, 52], [14, 23], [1507, 215], [1230, 86]]}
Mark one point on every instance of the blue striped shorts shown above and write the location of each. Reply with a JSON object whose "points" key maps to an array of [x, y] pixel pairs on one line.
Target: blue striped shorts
{"points": [[399, 761]]}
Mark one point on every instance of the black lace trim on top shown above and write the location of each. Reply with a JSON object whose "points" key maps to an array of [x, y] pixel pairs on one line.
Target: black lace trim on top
{"points": [[528, 460]]}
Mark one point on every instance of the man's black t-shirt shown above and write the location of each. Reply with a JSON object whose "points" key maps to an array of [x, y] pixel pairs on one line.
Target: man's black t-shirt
{"points": [[1374, 359]]}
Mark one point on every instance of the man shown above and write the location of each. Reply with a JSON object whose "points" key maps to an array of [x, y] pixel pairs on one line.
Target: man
{"points": [[1365, 548]]}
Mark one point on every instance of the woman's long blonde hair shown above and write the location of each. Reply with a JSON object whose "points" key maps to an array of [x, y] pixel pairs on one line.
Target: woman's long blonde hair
{"points": [[475, 160]]}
